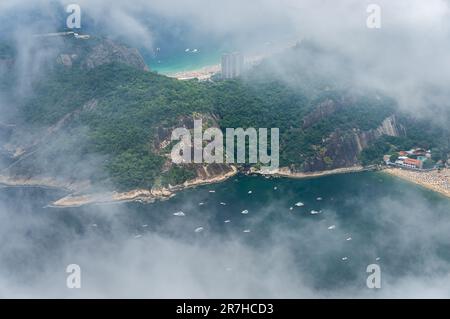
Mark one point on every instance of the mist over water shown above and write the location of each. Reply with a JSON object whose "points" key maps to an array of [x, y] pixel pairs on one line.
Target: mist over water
{"points": [[144, 250]]}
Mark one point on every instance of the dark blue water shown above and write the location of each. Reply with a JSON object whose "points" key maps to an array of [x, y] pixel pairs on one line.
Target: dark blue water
{"points": [[397, 225]]}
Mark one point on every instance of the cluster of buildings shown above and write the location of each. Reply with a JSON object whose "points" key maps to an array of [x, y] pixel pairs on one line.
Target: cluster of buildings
{"points": [[232, 65], [413, 159]]}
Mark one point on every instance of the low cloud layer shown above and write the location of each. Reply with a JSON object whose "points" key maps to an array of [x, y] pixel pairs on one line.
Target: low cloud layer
{"points": [[407, 58], [291, 256]]}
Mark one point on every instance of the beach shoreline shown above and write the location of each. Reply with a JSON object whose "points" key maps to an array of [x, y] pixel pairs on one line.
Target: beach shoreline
{"points": [[150, 196], [206, 72], [42, 182], [286, 172], [202, 74], [436, 181], [139, 195]]}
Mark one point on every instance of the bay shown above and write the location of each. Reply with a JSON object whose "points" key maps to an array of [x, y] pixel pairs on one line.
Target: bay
{"points": [[357, 220]]}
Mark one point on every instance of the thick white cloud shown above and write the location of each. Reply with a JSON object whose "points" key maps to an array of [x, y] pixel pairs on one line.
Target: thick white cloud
{"points": [[409, 58]]}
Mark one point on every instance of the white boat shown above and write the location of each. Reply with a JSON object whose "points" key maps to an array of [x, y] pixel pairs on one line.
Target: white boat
{"points": [[195, 50], [291, 208], [227, 221], [332, 227], [222, 203], [250, 192], [275, 188], [299, 204], [344, 258], [179, 214], [348, 239], [199, 229], [245, 212], [247, 231], [377, 259], [319, 198], [315, 212], [187, 50], [201, 204], [212, 191]]}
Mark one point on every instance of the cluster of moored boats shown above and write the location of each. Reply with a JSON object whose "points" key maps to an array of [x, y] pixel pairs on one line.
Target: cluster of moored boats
{"points": [[200, 229]]}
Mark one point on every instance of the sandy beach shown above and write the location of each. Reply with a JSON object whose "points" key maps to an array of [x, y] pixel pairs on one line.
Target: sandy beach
{"points": [[433, 180], [286, 172], [207, 72], [201, 74]]}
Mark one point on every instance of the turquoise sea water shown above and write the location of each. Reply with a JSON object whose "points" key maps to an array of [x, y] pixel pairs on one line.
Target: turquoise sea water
{"points": [[367, 218], [170, 55], [183, 61]]}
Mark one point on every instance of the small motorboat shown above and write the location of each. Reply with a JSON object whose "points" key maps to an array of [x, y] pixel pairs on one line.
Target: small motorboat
{"points": [[179, 214]]}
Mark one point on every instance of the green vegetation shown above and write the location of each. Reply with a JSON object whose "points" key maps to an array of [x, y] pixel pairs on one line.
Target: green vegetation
{"points": [[109, 117]]}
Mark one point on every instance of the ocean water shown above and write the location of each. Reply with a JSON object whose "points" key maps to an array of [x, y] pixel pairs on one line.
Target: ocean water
{"points": [[170, 55], [172, 62], [241, 238]]}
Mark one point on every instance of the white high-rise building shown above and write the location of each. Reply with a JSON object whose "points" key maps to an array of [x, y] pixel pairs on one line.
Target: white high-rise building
{"points": [[232, 65]]}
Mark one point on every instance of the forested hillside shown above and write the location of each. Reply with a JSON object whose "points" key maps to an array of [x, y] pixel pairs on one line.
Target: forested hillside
{"points": [[107, 122]]}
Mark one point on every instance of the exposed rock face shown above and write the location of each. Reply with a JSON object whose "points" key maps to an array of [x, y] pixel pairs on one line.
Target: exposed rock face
{"points": [[163, 133], [203, 172], [342, 148], [325, 109], [388, 127], [211, 171], [107, 52], [102, 52]]}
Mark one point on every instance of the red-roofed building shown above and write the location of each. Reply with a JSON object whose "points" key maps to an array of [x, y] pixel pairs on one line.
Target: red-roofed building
{"points": [[413, 163]]}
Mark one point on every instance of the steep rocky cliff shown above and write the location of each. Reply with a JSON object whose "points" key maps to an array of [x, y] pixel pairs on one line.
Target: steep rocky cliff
{"points": [[97, 52], [111, 123], [162, 141], [341, 148]]}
